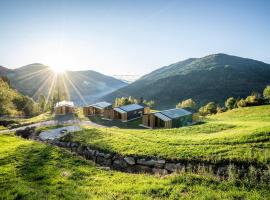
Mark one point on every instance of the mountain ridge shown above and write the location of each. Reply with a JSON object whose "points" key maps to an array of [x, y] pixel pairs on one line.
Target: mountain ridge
{"points": [[211, 78], [84, 86]]}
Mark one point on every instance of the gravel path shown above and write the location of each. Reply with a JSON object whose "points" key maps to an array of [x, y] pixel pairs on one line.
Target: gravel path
{"points": [[55, 123], [58, 132]]}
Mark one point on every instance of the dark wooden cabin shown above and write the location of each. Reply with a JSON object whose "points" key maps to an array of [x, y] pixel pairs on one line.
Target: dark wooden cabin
{"points": [[97, 109], [172, 118]]}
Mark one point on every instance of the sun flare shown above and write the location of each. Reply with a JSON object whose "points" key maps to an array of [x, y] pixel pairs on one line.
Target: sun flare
{"points": [[58, 69]]}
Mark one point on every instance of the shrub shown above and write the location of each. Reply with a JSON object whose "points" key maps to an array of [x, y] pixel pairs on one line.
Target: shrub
{"points": [[188, 103], [241, 103], [230, 103]]}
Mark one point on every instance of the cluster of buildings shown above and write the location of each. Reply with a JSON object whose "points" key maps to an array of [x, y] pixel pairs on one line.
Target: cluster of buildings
{"points": [[172, 118]]}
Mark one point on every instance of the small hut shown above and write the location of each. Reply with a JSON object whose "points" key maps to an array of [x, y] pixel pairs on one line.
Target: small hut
{"points": [[128, 112], [64, 107], [172, 118], [97, 109]]}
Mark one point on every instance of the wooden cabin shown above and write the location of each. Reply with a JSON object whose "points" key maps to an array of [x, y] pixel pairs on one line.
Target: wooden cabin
{"points": [[172, 118], [128, 112], [64, 107], [97, 109]]}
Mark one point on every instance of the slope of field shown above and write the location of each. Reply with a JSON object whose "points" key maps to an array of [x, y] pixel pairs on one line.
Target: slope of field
{"points": [[211, 78], [31, 170], [240, 135]]}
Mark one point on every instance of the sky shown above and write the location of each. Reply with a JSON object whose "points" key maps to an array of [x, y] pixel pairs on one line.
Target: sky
{"points": [[130, 37]]}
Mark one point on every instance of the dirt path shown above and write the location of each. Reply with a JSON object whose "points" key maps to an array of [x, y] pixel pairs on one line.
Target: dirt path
{"points": [[55, 123]]}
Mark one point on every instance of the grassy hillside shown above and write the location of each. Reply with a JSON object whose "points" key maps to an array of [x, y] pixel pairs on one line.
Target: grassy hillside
{"points": [[240, 135], [211, 78], [30, 170]]}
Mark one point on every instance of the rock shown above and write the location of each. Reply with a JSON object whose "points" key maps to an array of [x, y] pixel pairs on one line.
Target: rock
{"points": [[74, 145], [174, 167], [130, 160], [160, 163], [103, 161], [26, 133], [119, 164], [89, 154], [160, 171], [146, 162], [171, 167], [80, 149], [142, 168], [104, 155]]}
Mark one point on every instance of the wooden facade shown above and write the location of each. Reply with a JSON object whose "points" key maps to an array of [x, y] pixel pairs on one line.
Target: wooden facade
{"points": [[150, 120], [100, 108], [172, 118], [63, 110]]}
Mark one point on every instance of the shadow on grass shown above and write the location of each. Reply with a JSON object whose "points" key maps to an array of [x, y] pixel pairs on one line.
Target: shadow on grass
{"points": [[134, 124], [43, 171]]}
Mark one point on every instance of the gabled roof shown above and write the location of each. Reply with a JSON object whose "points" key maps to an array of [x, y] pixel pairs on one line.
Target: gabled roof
{"points": [[64, 103], [162, 117], [128, 108], [101, 105], [119, 110], [175, 113]]}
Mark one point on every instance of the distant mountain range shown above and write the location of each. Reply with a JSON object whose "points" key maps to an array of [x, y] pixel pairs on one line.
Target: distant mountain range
{"points": [[83, 86], [127, 78], [212, 78]]}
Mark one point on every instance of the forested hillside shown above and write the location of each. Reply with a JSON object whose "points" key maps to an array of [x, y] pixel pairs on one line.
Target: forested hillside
{"points": [[211, 78], [12, 103]]}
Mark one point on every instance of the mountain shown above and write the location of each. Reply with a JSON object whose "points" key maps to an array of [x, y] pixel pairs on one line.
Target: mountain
{"points": [[212, 78], [82, 86], [4, 71], [127, 78]]}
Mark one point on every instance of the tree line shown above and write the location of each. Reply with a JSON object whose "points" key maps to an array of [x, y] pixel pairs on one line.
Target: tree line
{"points": [[13, 103], [131, 100], [254, 99]]}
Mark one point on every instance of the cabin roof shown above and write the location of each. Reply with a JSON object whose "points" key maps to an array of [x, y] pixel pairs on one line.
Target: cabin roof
{"points": [[175, 113], [128, 108], [101, 105], [162, 117], [64, 103]]}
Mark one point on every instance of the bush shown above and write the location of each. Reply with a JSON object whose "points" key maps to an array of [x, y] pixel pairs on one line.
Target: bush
{"points": [[188, 103], [266, 93], [241, 103], [230, 103], [208, 109]]}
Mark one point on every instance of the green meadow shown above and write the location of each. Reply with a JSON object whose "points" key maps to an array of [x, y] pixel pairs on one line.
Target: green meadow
{"points": [[242, 134], [31, 170]]}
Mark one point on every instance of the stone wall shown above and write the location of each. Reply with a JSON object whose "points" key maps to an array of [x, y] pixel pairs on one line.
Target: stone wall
{"points": [[136, 164], [153, 165]]}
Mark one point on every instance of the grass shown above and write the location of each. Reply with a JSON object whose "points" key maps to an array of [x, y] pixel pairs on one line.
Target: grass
{"points": [[42, 117], [241, 135], [31, 170], [2, 128]]}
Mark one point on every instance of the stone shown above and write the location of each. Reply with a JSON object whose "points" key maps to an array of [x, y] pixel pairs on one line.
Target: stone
{"points": [[160, 163], [146, 162], [171, 167], [160, 171], [104, 155], [119, 164], [130, 160], [74, 145], [103, 161], [142, 168]]}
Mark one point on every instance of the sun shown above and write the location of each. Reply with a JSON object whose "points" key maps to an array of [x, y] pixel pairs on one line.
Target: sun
{"points": [[58, 69]]}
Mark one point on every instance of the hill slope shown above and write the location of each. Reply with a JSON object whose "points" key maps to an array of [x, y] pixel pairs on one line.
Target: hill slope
{"points": [[36, 78], [211, 78]]}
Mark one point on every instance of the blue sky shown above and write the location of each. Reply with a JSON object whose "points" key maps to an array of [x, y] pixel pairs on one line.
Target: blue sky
{"points": [[130, 37]]}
